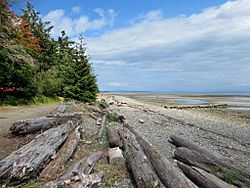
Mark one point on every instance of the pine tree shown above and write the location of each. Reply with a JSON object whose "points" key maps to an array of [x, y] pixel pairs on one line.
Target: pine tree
{"points": [[84, 87]]}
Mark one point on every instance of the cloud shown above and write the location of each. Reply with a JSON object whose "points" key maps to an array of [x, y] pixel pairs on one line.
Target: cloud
{"points": [[207, 50], [117, 84], [148, 17], [76, 9], [74, 27]]}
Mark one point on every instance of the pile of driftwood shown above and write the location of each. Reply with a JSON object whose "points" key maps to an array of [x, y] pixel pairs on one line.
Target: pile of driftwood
{"points": [[208, 169], [179, 107], [199, 167], [56, 140]]}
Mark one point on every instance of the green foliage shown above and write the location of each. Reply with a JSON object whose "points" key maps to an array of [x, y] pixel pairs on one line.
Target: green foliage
{"points": [[10, 100], [17, 75], [112, 117], [231, 176], [48, 82], [36, 64], [102, 104]]}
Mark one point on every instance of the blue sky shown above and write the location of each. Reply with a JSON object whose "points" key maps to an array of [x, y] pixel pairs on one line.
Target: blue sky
{"points": [[167, 46]]}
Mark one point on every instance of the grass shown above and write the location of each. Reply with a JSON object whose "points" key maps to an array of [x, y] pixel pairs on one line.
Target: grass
{"points": [[229, 175], [112, 117], [11, 101]]}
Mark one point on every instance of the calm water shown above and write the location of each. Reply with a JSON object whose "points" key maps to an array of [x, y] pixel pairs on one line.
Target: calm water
{"points": [[190, 101], [239, 108]]}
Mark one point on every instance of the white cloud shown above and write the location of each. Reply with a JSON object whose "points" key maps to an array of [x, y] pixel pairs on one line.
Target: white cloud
{"points": [[73, 27], [117, 84], [148, 17], [210, 45], [76, 9]]}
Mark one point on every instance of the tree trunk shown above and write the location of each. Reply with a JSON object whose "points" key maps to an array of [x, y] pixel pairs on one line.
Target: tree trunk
{"points": [[168, 174], [56, 167], [217, 167], [31, 158], [221, 160], [114, 138], [138, 162], [41, 124], [202, 178]]}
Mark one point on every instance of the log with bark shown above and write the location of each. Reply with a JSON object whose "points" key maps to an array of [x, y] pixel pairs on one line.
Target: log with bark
{"points": [[79, 174], [56, 167], [42, 123], [31, 158], [114, 138], [168, 174], [142, 170], [219, 159], [100, 133], [202, 178], [217, 167]]}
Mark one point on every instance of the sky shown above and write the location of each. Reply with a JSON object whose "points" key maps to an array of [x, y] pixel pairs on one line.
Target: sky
{"points": [[157, 45]]}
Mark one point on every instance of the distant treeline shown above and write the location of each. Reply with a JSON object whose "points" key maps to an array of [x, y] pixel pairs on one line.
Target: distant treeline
{"points": [[33, 64]]}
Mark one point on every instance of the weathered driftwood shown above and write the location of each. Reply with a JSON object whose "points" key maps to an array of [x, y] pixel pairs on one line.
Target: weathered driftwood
{"points": [[85, 165], [115, 156], [208, 164], [78, 181], [142, 170], [41, 124], [93, 108], [167, 173], [181, 141], [56, 167], [100, 133], [78, 175], [62, 108], [114, 137], [196, 106], [202, 178], [220, 160], [31, 158]]}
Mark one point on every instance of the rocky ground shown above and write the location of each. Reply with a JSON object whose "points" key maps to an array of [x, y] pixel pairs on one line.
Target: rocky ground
{"points": [[225, 132]]}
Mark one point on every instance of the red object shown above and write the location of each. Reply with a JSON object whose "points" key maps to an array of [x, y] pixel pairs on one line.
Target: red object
{"points": [[7, 88]]}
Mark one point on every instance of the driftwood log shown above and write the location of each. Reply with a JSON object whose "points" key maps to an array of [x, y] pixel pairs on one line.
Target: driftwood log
{"points": [[56, 167], [79, 174], [142, 170], [115, 156], [41, 124], [202, 178], [78, 181], [100, 133], [216, 167], [167, 173], [31, 158], [196, 106], [219, 159], [114, 138], [62, 108]]}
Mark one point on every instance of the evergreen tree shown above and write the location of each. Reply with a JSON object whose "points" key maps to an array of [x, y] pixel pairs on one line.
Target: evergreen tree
{"points": [[84, 87], [15, 64], [35, 64]]}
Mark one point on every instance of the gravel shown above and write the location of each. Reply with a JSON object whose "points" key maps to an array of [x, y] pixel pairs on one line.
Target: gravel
{"points": [[222, 134]]}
